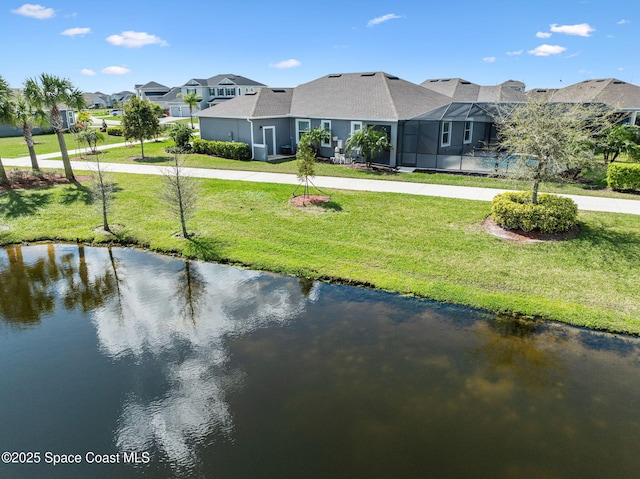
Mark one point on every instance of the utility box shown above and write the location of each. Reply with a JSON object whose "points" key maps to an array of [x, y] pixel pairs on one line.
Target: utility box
{"points": [[260, 152]]}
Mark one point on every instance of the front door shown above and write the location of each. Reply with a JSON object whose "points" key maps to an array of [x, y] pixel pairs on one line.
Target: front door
{"points": [[269, 139]]}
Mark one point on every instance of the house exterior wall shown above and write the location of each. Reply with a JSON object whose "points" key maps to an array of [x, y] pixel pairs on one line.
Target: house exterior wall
{"points": [[225, 129]]}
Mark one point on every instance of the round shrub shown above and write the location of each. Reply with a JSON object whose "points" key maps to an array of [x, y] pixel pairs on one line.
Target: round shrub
{"points": [[552, 213]]}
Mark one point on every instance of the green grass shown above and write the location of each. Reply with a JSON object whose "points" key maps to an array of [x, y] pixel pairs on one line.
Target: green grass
{"points": [[157, 156], [430, 247], [14, 147]]}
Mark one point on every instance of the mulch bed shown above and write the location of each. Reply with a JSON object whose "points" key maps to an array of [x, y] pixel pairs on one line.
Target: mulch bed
{"points": [[526, 236], [26, 180], [302, 200]]}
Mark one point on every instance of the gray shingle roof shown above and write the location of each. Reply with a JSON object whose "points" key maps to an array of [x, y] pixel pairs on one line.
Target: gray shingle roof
{"points": [[266, 102], [462, 90], [375, 95], [610, 91], [153, 84], [234, 79]]}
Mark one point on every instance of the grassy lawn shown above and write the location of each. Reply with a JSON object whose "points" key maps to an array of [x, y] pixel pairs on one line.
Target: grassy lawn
{"points": [[14, 147], [157, 156], [431, 247]]}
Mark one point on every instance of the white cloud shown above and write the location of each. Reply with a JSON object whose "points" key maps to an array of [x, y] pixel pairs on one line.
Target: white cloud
{"points": [[116, 71], [621, 69], [72, 32], [34, 11], [87, 72], [132, 39], [290, 63], [489, 59], [624, 22], [581, 29], [543, 34], [515, 52], [383, 18], [547, 50]]}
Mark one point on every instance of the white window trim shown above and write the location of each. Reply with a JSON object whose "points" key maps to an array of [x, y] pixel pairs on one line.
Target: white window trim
{"points": [[470, 130], [448, 133], [353, 126], [298, 130], [326, 142]]}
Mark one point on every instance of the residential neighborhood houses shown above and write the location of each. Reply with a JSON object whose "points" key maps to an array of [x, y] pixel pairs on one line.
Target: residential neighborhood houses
{"points": [[440, 124]]}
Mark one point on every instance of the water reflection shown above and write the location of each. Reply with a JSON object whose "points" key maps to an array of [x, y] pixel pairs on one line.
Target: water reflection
{"points": [[183, 316], [222, 372]]}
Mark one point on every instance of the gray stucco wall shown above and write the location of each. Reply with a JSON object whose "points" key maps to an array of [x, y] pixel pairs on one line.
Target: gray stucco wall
{"points": [[225, 129]]}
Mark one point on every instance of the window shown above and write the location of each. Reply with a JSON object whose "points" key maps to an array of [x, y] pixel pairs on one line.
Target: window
{"points": [[355, 126], [468, 131], [220, 91], [445, 137], [326, 125], [302, 126], [212, 92], [230, 91], [190, 90]]}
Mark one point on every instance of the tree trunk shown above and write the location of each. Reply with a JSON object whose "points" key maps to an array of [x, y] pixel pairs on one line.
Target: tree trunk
{"points": [[3, 175], [28, 138], [142, 147], [68, 171], [534, 192], [105, 223]]}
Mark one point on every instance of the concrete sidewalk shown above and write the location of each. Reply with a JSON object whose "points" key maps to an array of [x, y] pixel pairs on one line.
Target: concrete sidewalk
{"points": [[590, 203]]}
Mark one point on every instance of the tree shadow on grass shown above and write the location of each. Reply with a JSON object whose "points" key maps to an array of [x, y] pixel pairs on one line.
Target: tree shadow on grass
{"points": [[612, 243], [152, 159], [205, 249], [330, 206], [15, 203], [76, 192]]}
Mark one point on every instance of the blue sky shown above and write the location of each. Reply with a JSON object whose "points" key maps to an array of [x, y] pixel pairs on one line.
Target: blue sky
{"points": [[112, 45]]}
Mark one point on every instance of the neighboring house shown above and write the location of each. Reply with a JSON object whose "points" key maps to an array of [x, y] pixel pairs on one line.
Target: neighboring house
{"points": [[615, 93], [68, 119], [213, 91], [119, 99], [151, 91], [97, 100], [462, 90], [341, 103]]}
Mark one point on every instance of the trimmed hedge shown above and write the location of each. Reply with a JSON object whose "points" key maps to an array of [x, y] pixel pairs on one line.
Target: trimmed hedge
{"points": [[623, 176], [114, 131], [225, 149], [552, 213]]}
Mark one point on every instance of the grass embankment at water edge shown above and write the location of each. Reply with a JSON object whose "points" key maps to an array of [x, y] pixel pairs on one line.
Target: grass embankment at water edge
{"points": [[429, 247]]}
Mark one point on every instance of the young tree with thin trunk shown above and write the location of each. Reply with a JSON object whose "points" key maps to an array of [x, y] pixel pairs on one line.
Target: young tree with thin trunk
{"points": [[180, 194], [139, 121], [306, 163], [547, 140], [191, 99], [103, 187], [48, 92]]}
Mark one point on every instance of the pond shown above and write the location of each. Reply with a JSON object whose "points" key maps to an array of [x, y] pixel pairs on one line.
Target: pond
{"points": [[130, 364]]}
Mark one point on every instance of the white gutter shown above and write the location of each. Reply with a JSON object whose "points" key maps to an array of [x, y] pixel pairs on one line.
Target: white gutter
{"points": [[251, 123]]}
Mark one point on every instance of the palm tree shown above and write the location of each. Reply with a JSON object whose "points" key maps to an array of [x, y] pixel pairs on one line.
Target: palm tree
{"points": [[369, 141], [5, 114], [191, 99], [47, 92], [25, 116]]}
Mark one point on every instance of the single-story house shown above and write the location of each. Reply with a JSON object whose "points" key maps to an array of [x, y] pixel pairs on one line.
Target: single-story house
{"points": [[274, 119]]}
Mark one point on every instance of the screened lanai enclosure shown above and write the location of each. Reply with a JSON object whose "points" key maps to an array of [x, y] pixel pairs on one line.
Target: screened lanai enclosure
{"points": [[460, 137]]}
